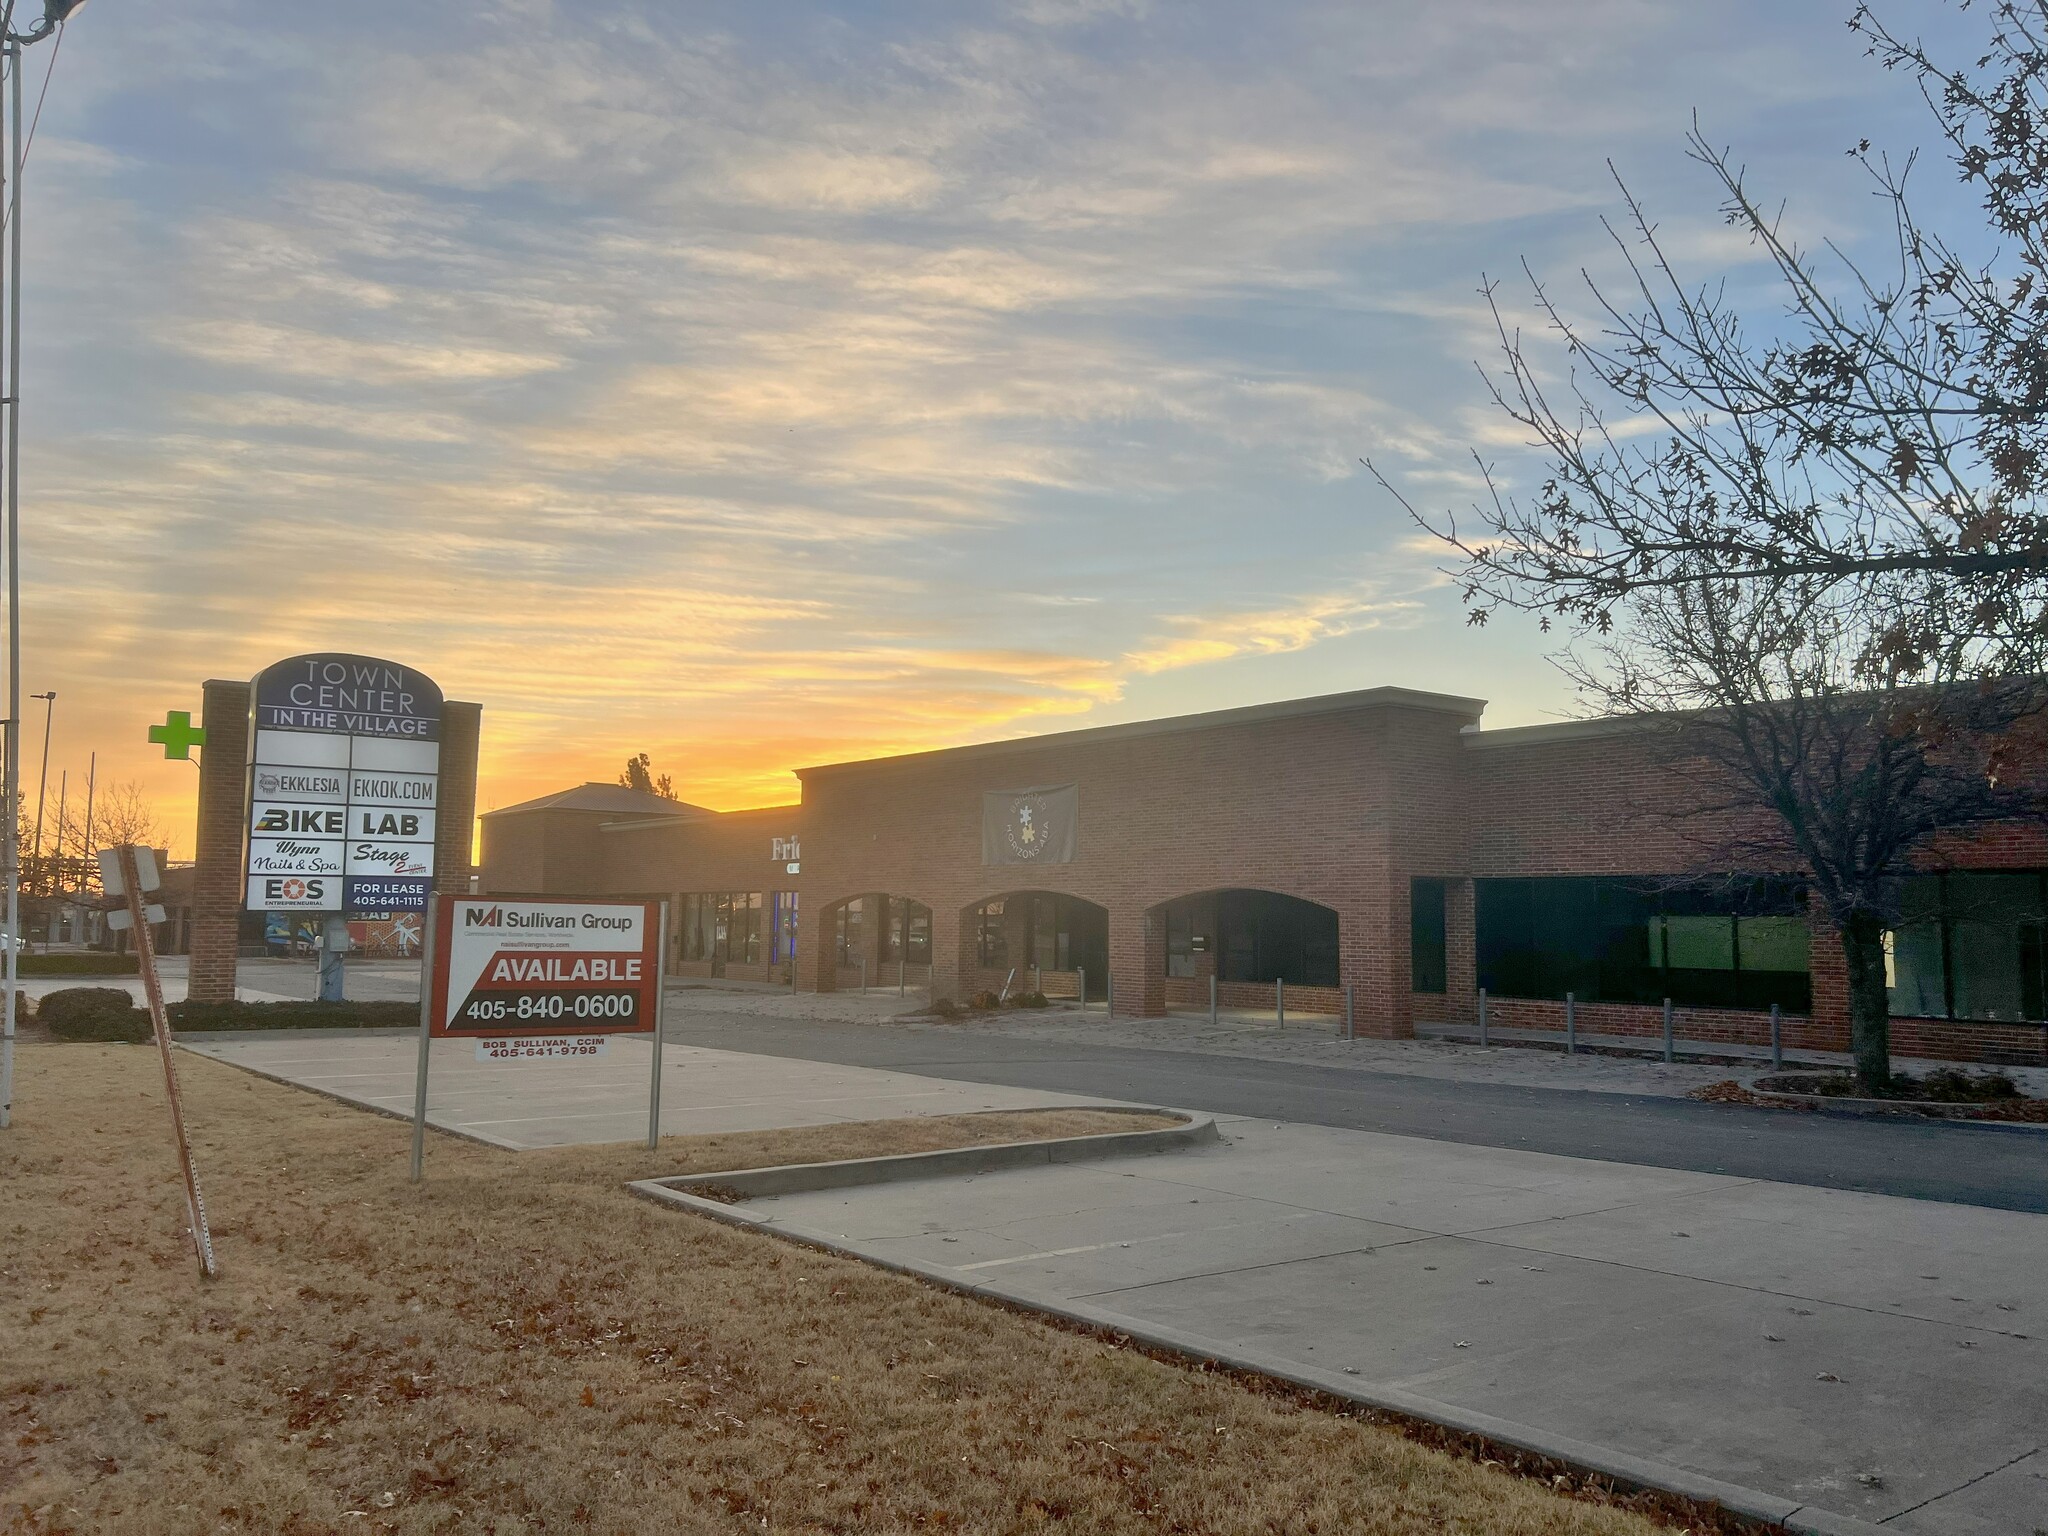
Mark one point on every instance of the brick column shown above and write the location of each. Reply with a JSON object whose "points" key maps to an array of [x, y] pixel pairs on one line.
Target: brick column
{"points": [[217, 880], [817, 950], [1137, 961], [1375, 957], [949, 941], [455, 811], [1461, 952]]}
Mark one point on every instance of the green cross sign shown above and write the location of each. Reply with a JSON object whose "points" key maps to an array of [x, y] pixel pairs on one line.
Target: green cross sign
{"points": [[178, 735]]}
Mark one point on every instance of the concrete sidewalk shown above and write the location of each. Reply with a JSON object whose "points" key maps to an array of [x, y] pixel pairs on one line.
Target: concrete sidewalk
{"points": [[523, 1105], [370, 979], [1869, 1356]]}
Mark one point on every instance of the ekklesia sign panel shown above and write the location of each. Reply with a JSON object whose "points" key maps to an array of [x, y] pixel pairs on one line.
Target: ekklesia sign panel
{"points": [[523, 968], [344, 777]]}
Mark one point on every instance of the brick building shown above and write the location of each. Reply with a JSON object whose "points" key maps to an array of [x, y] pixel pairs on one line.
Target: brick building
{"points": [[1379, 841]]}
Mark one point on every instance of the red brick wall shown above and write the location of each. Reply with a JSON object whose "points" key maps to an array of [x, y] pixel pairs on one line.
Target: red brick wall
{"points": [[455, 821], [1321, 806], [1338, 803], [728, 851], [217, 879]]}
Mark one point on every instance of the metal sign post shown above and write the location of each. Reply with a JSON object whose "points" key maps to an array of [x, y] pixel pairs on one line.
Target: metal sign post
{"points": [[122, 874], [419, 1087], [660, 1000], [540, 979]]}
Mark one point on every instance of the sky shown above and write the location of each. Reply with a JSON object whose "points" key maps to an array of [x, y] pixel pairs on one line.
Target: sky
{"points": [[766, 385]]}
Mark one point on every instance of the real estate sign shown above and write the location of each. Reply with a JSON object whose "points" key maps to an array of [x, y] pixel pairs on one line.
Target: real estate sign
{"points": [[545, 978], [344, 777]]}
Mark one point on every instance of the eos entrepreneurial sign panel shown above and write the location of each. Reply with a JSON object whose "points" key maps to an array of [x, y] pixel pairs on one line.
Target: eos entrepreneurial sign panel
{"points": [[344, 782], [539, 971]]}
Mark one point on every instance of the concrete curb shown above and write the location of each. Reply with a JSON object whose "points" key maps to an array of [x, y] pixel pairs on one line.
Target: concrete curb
{"points": [[183, 1042], [953, 1162], [1884, 1109], [1618, 1467]]}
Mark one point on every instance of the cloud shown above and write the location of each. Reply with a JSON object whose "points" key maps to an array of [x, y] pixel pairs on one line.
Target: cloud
{"points": [[771, 385], [292, 350], [1196, 640]]}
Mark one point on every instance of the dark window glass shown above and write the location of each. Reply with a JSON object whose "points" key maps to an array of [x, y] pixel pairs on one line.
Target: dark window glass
{"points": [[782, 909], [1426, 964], [1739, 943], [721, 925], [847, 926], [1971, 945], [991, 943], [907, 935], [1180, 939], [1267, 937]]}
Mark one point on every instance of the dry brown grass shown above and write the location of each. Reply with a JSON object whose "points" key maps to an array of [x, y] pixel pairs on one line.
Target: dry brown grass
{"points": [[520, 1345]]}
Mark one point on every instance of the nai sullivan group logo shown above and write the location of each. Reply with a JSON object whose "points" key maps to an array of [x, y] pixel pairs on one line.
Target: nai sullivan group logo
{"points": [[497, 917]]}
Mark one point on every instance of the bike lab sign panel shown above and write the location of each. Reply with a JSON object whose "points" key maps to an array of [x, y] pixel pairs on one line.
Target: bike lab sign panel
{"points": [[544, 980], [344, 780]]}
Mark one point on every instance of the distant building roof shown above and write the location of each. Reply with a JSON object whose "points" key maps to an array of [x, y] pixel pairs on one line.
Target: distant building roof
{"points": [[610, 799], [1256, 714]]}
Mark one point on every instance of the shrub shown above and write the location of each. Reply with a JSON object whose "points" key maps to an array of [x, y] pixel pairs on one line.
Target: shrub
{"points": [[1952, 1085], [294, 1015], [91, 963], [984, 1000], [1027, 1000], [93, 1013]]}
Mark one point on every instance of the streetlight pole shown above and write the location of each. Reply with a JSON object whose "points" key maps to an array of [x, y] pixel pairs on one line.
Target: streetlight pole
{"points": [[35, 863], [55, 14]]}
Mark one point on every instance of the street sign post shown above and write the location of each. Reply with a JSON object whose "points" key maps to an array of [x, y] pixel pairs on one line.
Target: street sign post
{"points": [[131, 872], [540, 980]]}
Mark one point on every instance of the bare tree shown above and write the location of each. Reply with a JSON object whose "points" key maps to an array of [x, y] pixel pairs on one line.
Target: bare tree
{"points": [[1815, 549], [1753, 696], [121, 812], [640, 775]]}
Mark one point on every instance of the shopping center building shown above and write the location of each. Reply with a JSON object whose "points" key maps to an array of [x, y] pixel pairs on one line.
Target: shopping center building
{"points": [[1377, 844]]}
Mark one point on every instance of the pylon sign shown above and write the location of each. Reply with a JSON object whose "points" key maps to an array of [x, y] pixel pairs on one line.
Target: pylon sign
{"points": [[344, 781]]}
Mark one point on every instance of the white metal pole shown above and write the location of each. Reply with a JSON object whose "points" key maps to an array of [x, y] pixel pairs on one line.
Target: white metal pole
{"points": [[43, 781], [428, 948], [92, 774], [660, 1006], [11, 55], [55, 887]]}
